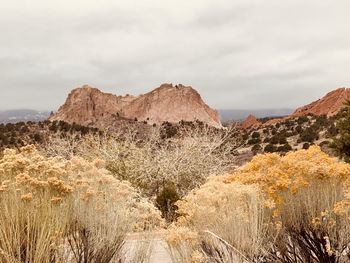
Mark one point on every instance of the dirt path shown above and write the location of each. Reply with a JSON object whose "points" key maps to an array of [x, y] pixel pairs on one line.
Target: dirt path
{"points": [[159, 252]]}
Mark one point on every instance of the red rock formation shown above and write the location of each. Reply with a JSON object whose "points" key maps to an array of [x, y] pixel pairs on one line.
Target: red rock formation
{"points": [[250, 122], [329, 105], [88, 105]]}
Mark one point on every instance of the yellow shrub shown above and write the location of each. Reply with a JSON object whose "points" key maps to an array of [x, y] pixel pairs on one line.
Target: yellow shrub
{"points": [[275, 202], [232, 211], [45, 202]]}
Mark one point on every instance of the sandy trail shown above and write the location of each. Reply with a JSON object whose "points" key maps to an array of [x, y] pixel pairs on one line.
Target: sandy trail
{"points": [[159, 252]]}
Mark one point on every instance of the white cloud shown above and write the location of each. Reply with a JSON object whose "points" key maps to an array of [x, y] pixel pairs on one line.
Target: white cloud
{"points": [[238, 54]]}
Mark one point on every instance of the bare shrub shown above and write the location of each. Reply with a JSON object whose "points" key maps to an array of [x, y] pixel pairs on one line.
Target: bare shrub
{"points": [[61, 145], [152, 163]]}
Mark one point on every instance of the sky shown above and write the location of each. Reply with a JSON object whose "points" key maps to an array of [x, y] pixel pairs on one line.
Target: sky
{"points": [[238, 54]]}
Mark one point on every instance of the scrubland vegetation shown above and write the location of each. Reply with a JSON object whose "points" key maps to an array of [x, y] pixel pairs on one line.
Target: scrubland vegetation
{"points": [[274, 209], [157, 166], [57, 210], [292, 134], [16, 135], [77, 194]]}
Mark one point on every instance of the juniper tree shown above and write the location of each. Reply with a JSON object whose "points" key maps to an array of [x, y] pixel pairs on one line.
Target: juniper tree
{"points": [[342, 141]]}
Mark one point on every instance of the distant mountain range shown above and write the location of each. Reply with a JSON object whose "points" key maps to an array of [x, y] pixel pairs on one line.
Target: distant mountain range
{"points": [[237, 115], [13, 116]]}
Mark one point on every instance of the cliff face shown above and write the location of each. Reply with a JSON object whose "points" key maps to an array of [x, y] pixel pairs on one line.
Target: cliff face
{"points": [[328, 105], [88, 105]]}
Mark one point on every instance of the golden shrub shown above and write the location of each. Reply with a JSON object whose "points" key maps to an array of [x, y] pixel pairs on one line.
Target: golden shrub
{"points": [[274, 202], [232, 211], [41, 197]]}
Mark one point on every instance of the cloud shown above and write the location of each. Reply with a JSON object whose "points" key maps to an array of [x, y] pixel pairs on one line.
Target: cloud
{"points": [[237, 54]]}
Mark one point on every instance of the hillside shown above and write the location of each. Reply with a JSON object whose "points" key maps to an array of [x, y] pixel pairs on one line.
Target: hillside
{"points": [[328, 105], [15, 135], [314, 123], [289, 134]]}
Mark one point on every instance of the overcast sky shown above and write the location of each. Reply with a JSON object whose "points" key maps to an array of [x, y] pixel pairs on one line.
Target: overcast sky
{"points": [[239, 54]]}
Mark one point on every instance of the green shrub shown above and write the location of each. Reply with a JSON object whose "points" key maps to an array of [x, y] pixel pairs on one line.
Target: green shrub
{"points": [[309, 135], [167, 130], [332, 130], [299, 129], [245, 136], [165, 202], [306, 146], [254, 141], [302, 119], [256, 148], [270, 148], [255, 135], [279, 138], [267, 139], [284, 148], [321, 120]]}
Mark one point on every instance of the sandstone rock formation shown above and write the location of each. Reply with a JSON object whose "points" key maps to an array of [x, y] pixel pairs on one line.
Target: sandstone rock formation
{"points": [[329, 105], [250, 122], [88, 105]]}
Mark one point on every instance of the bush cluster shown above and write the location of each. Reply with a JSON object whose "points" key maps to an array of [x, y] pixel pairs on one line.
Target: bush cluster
{"points": [[15, 135], [274, 209], [57, 210]]}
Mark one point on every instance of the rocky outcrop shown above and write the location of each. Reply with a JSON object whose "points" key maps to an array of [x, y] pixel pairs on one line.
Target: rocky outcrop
{"points": [[329, 105], [88, 105], [251, 122]]}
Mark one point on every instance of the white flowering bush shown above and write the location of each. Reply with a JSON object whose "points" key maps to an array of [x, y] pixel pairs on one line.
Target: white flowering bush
{"points": [[58, 210]]}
